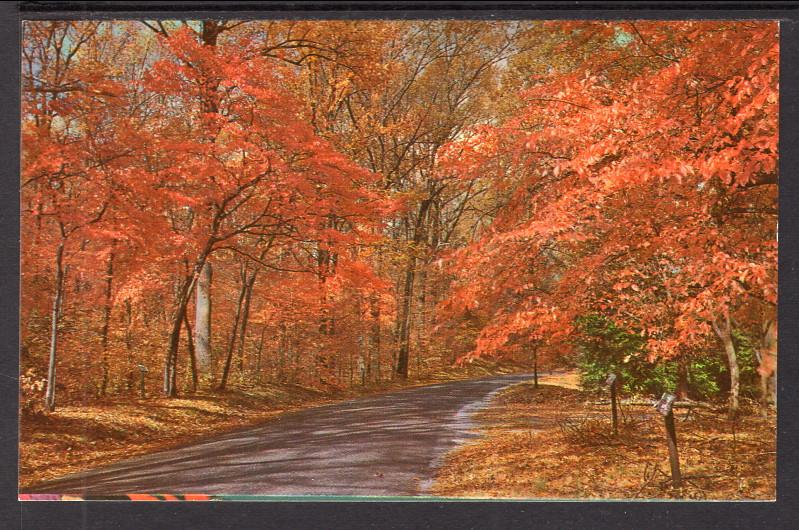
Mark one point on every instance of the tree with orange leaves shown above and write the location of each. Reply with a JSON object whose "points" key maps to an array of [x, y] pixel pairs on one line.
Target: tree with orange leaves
{"points": [[646, 190]]}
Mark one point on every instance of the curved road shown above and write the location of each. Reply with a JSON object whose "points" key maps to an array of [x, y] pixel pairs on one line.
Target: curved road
{"points": [[377, 445]]}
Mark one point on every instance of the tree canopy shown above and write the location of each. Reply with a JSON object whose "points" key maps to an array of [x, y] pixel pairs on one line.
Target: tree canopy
{"points": [[381, 198]]}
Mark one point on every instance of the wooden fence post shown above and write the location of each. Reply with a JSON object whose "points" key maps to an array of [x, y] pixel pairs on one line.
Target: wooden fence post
{"points": [[664, 407]]}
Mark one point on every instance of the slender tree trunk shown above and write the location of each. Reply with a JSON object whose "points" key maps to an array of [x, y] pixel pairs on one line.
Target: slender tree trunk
{"points": [[419, 235], [109, 276], [192, 353], [767, 366], [202, 323], [367, 361], [245, 316], [535, 368], [282, 353], [376, 339], [129, 343], [58, 294], [295, 362], [232, 342], [774, 386], [322, 359], [724, 332], [258, 354], [404, 323], [375, 332], [396, 331], [764, 395], [735, 383], [182, 302], [167, 379], [421, 337]]}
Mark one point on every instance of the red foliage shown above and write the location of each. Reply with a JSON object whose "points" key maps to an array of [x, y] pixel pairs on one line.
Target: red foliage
{"points": [[646, 188]]}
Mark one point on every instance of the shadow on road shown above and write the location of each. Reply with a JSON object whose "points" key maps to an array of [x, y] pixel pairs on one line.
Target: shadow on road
{"points": [[384, 445]]}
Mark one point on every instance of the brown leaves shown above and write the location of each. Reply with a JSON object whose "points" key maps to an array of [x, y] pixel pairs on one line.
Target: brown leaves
{"points": [[525, 453]]}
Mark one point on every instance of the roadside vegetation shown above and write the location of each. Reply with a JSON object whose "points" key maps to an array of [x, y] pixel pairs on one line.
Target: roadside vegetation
{"points": [[556, 441]]}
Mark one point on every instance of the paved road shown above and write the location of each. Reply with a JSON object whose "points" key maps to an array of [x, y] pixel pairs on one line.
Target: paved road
{"points": [[378, 445]]}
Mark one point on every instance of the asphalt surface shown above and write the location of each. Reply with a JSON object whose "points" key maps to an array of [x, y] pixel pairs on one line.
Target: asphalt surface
{"points": [[384, 445]]}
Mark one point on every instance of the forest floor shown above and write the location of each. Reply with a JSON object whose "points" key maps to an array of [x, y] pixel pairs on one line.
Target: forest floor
{"points": [[555, 442], [80, 437]]}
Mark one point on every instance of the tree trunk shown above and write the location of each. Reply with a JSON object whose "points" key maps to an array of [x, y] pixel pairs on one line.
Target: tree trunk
{"points": [[535, 368], [294, 348], [129, 343], [404, 323], [167, 379], [767, 366], [202, 323], [182, 302], [109, 275], [282, 353], [421, 337], [232, 342], [245, 316], [192, 353], [322, 359], [56, 316], [367, 364], [735, 384], [258, 354], [682, 378], [724, 332], [419, 235], [375, 331]]}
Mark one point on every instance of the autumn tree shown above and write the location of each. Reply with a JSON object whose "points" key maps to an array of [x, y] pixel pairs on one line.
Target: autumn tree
{"points": [[435, 81], [78, 148], [354, 198], [648, 179]]}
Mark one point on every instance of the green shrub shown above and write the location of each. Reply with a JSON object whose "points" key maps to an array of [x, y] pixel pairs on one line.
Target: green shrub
{"points": [[707, 375], [603, 347]]}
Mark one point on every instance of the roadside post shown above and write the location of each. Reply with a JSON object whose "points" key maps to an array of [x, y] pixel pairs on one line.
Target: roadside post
{"points": [[142, 371], [611, 382], [664, 407]]}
